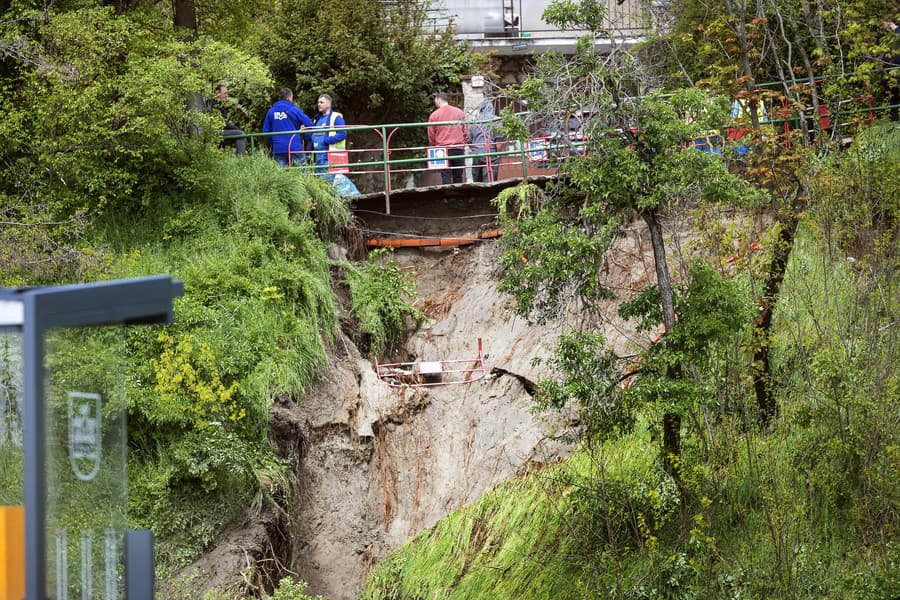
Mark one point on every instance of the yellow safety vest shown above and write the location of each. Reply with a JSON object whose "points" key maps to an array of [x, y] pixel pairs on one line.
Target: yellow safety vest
{"points": [[342, 145]]}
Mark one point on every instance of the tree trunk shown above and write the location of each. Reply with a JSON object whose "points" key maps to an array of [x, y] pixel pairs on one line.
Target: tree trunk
{"points": [[738, 12], [788, 218], [671, 421], [186, 15], [662, 268]]}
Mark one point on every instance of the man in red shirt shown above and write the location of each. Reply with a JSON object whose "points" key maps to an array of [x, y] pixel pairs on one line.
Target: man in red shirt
{"points": [[451, 137]]}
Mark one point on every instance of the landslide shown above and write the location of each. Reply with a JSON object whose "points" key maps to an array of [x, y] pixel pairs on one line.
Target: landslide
{"points": [[376, 465], [381, 464]]}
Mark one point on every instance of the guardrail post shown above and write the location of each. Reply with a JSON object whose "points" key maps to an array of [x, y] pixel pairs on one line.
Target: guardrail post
{"points": [[524, 163], [387, 171]]}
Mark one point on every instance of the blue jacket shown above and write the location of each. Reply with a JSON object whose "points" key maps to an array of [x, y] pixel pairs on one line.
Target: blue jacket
{"points": [[285, 116], [321, 142]]}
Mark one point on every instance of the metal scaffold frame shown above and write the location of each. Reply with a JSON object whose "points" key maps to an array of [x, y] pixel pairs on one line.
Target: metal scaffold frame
{"points": [[433, 373]]}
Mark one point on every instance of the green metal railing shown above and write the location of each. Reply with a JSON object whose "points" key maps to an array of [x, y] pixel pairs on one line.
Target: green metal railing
{"points": [[388, 165], [541, 152]]}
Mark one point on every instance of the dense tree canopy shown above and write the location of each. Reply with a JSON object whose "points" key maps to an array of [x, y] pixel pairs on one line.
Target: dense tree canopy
{"points": [[106, 104], [380, 63]]}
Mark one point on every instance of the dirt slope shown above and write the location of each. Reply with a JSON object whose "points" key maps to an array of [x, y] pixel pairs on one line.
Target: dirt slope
{"points": [[383, 464], [376, 465]]}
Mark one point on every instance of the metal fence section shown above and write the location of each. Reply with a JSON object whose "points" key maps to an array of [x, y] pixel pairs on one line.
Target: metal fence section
{"points": [[387, 165], [383, 168]]}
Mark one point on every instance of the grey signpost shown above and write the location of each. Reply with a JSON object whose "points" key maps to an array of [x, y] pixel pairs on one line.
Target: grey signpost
{"points": [[37, 313]]}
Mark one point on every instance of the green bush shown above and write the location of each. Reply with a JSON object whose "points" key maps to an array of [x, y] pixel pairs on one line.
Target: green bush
{"points": [[257, 312], [292, 590], [377, 291]]}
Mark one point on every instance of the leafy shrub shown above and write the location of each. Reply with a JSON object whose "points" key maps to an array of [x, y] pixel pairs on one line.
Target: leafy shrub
{"points": [[257, 310], [377, 288], [292, 590]]}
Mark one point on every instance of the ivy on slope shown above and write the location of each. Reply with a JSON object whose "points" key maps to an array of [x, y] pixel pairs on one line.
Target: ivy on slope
{"points": [[610, 523], [545, 535]]}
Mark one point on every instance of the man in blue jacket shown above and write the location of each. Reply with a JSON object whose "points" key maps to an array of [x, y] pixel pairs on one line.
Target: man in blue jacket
{"points": [[329, 138], [285, 116]]}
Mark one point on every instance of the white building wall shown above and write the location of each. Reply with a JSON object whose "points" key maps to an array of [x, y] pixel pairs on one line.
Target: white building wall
{"points": [[487, 16]]}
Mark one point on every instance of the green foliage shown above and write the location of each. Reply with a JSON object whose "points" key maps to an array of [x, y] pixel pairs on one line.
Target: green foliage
{"points": [[377, 290], [856, 197], [512, 127], [230, 21], [548, 535], [569, 14], [735, 48], [713, 311], [656, 166], [292, 590], [109, 109], [378, 62], [258, 303], [518, 202], [552, 252], [34, 248], [454, 559], [838, 349], [590, 376], [12, 458], [190, 387]]}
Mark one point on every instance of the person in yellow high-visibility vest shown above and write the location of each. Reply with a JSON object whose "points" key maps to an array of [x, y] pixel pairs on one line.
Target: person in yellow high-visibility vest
{"points": [[330, 139]]}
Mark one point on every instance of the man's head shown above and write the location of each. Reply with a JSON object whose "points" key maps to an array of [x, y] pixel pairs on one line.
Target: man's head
{"points": [[221, 92], [285, 94], [441, 99], [324, 103]]}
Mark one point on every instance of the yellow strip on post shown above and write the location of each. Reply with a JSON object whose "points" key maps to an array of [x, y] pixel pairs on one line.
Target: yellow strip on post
{"points": [[12, 552]]}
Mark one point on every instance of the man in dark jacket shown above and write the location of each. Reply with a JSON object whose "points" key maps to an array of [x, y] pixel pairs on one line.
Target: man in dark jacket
{"points": [[232, 133], [285, 116], [481, 141]]}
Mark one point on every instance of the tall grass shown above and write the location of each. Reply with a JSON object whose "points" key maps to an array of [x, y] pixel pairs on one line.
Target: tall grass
{"points": [[258, 310]]}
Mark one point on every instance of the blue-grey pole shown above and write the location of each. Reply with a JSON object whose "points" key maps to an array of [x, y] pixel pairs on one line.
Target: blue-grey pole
{"points": [[139, 568], [34, 439]]}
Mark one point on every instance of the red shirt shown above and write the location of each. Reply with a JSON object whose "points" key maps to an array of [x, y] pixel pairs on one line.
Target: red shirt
{"points": [[451, 136]]}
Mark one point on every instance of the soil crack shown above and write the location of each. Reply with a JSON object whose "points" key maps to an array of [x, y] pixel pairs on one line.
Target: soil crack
{"points": [[529, 385]]}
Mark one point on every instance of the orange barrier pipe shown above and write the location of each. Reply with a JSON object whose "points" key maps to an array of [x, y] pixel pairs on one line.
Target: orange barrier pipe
{"points": [[423, 242]]}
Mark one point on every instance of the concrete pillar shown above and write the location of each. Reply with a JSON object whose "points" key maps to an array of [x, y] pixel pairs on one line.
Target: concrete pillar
{"points": [[473, 95]]}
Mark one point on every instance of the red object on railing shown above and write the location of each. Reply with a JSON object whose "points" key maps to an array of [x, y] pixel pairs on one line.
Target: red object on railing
{"points": [[338, 161], [433, 373]]}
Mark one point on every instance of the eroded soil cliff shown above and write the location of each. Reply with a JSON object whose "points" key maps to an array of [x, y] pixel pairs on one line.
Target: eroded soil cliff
{"points": [[376, 465], [382, 464]]}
